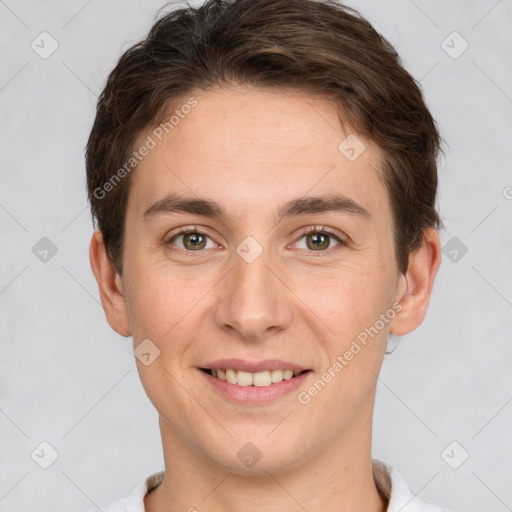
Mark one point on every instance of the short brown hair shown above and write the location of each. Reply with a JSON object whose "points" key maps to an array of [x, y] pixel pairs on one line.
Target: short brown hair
{"points": [[318, 47]]}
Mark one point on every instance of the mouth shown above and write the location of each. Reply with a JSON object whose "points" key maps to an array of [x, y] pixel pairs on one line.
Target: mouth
{"points": [[256, 379]]}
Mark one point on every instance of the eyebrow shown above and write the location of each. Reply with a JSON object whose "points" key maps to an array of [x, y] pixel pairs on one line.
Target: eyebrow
{"points": [[174, 203]]}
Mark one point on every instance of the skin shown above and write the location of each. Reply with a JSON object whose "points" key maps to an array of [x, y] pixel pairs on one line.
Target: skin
{"points": [[250, 151]]}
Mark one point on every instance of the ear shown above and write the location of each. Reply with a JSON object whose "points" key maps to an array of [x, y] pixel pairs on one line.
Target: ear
{"points": [[416, 284], [110, 286]]}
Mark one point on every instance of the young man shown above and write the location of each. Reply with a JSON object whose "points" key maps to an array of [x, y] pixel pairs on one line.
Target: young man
{"points": [[263, 178]]}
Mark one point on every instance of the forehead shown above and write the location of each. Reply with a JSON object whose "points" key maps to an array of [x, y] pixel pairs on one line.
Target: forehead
{"points": [[258, 146]]}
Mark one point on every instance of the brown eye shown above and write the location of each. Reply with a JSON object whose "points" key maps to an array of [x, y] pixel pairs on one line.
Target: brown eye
{"points": [[318, 241], [190, 240], [194, 241]]}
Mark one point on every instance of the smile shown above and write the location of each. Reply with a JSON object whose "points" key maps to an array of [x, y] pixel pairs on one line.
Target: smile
{"points": [[258, 379], [256, 388]]}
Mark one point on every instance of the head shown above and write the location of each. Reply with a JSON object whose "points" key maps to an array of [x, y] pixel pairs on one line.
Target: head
{"points": [[290, 142]]}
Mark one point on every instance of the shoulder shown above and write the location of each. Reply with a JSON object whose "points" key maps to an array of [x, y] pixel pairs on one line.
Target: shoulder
{"points": [[134, 502], [395, 488]]}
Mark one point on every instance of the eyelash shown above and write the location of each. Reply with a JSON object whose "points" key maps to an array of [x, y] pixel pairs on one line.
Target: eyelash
{"points": [[309, 231]]}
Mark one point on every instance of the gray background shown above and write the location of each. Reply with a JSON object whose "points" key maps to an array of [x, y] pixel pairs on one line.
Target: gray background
{"points": [[69, 380]]}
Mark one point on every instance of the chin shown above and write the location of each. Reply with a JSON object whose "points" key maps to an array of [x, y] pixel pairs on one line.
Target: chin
{"points": [[260, 453]]}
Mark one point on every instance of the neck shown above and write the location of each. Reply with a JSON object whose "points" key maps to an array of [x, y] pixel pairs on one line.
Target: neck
{"points": [[339, 478]]}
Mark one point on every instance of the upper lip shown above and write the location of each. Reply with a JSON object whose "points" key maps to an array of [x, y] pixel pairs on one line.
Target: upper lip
{"points": [[253, 366]]}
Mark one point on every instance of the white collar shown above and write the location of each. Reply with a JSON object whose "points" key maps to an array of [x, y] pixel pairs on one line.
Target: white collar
{"points": [[388, 480]]}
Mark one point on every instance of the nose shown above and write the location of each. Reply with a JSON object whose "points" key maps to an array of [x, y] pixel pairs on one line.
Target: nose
{"points": [[254, 301]]}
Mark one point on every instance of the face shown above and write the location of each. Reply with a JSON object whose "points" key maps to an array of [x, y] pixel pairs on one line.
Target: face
{"points": [[286, 261]]}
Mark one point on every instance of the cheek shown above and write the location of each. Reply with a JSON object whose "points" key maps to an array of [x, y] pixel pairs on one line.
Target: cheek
{"points": [[347, 300], [162, 304], [154, 300]]}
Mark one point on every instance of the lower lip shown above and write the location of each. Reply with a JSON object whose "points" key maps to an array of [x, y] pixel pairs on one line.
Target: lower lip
{"points": [[255, 394]]}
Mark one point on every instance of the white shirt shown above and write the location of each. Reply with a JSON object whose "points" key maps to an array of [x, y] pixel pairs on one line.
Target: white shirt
{"points": [[388, 480]]}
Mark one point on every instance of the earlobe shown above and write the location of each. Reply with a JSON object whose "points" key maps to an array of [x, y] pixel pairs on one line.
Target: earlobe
{"points": [[110, 286], [416, 284]]}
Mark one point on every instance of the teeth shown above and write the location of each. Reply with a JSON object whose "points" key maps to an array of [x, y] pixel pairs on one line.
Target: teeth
{"points": [[259, 379], [231, 376], [276, 375], [244, 378], [288, 374]]}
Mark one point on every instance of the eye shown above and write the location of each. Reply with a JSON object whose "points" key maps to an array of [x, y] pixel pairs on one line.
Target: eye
{"points": [[318, 239], [191, 239]]}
